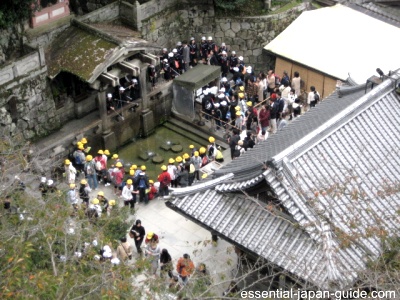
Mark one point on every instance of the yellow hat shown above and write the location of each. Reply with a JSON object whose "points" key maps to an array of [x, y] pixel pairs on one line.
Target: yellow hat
{"points": [[211, 139], [196, 153], [79, 143], [67, 162], [89, 158], [101, 193], [83, 181], [149, 235], [241, 95], [164, 167], [100, 152], [241, 88], [133, 167], [202, 150], [237, 107], [111, 202], [84, 141], [131, 172], [72, 186], [186, 156], [118, 165], [178, 159], [95, 201], [81, 147], [143, 168], [249, 103], [238, 113], [129, 181], [151, 181], [204, 175], [106, 152], [191, 146], [115, 156], [171, 161]]}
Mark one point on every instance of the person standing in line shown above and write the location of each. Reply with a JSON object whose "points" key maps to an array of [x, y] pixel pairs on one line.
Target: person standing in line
{"points": [[165, 180], [70, 171], [84, 191], [137, 233], [127, 194], [197, 162], [90, 171], [152, 254], [296, 83], [165, 263], [173, 171], [141, 185]]}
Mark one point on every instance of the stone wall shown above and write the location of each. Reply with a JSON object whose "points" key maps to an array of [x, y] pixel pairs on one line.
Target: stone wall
{"points": [[246, 35]]}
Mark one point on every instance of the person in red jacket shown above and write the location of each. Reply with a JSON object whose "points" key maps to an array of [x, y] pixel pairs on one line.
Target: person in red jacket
{"points": [[165, 179]]}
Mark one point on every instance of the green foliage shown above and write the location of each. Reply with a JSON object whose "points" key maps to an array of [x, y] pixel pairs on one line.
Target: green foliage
{"points": [[16, 12], [229, 4]]}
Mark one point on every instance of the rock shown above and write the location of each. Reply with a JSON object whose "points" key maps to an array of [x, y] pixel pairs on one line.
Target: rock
{"points": [[176, 148], [219, 34], [144, 156], [165, 147], [245, 26], [230, 33], [157, 159], [257, 52], [225, 26], [235, 26]]}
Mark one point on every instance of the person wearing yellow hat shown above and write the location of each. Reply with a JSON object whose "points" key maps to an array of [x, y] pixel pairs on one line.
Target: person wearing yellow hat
{"points": [[127, 194], [219, 157], [90, 171], [70, 171], [152, 190], [186, 157], [83, 141], [117, 175], [196, 160], [106, 152], [173, 172], [151, 237], [115, 156], [239, 121], [133, 167], [101, 167], [165, 180], [249, 104], [79, 158], [96, 207], [72, 196], [103, 200], [108, 206], [84, 191], [142, 184]]}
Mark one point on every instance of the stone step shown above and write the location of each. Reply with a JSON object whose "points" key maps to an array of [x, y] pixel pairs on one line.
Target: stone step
{"points": [[189, 131]]}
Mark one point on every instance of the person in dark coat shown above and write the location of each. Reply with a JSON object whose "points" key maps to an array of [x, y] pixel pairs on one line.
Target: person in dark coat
{"points": [[165, 263], [138, 232]]}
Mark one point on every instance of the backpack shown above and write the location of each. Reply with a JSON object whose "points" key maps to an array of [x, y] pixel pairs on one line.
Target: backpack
{"points": [[316, 96], [98, 165], [89, 168], [142, 182]]}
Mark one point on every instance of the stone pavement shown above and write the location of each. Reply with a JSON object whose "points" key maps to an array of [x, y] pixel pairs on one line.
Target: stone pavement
{"points": [[180, 235]]}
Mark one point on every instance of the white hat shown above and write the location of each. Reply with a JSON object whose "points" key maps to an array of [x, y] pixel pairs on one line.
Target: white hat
{"points": [[192, 38], [205, 92], [179, 43], [96, 257], [221, 96], [115, 261], [170, 54], [109, 95], [214, 90], [224, 79], [107, 251], [240, 57], [43, 179], [236, 69], [223, 44], [216, 105], [224, 52], [233, 52], [121, 89], [95, 243], [224, 103], [165, 60], [174, 51], [222, 90], [209, 38], [134, 80], [249, 69], [164, 49], [203, 38], [50, 182]]}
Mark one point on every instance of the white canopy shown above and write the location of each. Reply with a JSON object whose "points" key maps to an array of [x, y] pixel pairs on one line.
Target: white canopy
{"points": [[340, 41]]}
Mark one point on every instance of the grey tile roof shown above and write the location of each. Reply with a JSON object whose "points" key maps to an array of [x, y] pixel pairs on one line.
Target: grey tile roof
{"points": [[335, 170], [249, 166], [388, 14], [245, 221]]}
